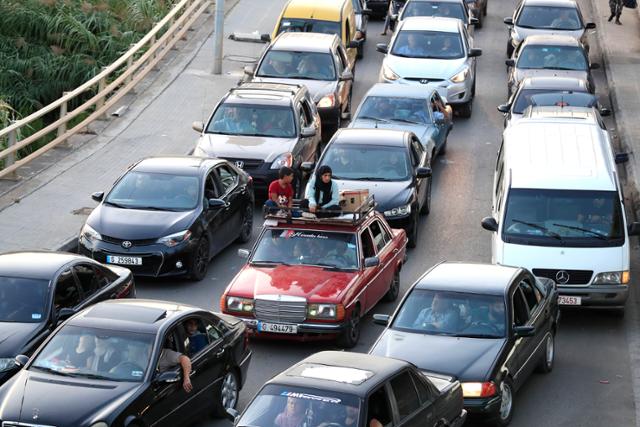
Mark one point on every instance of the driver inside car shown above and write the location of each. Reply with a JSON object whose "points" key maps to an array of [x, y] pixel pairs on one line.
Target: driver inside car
{"points": [[442, 316], [293, 415]]}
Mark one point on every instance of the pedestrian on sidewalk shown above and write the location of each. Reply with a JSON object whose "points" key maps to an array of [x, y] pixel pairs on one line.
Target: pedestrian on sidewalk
{"points": [[616, 10]]}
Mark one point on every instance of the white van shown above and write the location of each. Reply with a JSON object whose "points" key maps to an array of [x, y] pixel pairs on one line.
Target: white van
{"points": [[558, 210]]}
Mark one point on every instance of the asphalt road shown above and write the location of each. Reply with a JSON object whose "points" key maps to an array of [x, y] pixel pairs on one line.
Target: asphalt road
{"points": [[590, 384]]}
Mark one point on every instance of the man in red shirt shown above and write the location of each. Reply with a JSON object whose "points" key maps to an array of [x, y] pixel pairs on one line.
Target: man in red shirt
{"points": [[281, 190]]}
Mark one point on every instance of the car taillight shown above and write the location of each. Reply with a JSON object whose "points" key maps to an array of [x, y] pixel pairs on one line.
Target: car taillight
{"points": [[485, 389], [125, 290]]}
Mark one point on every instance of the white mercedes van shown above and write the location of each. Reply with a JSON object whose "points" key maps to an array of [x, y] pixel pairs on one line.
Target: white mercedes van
{"points": [[558, 209]]}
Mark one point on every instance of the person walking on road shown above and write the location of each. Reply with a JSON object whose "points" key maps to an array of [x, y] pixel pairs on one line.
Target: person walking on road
{"points": [[616, 10]]}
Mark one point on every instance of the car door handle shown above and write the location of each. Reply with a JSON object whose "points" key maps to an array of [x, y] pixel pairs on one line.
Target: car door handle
{"points": [[220, 352], [193, 372]]}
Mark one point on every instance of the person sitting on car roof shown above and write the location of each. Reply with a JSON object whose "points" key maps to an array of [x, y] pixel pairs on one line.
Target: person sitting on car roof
{"points": [[321, 192]]}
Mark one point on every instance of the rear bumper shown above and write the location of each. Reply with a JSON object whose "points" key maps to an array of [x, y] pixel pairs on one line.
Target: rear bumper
{"points": [[598, 295]]}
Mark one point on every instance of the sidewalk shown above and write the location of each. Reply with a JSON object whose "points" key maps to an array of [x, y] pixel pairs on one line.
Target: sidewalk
{"points": [[50, 211]]}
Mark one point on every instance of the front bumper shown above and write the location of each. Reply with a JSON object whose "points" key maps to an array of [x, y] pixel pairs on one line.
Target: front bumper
{"points": [[306, 330], [597, 295], [158, 260], [405, 222], [482, 407]]}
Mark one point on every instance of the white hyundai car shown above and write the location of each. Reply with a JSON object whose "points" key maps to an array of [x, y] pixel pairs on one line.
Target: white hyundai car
{"points": [[433, 50]]}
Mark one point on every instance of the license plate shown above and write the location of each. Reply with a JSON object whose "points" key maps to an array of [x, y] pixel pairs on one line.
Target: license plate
{"points": [[124, 260], [278, 328], [565, 300]]}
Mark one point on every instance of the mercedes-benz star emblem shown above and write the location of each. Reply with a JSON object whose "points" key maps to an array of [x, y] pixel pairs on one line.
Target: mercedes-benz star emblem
{"points": [[562, 277], [424, 81], [127, 244], [35, 414], [239, 163]]}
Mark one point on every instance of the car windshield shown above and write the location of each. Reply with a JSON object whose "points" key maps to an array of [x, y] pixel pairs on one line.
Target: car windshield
{"points": [[434, 8], [253, 120], [281, 406], [564, 99], [550, 18], [297, 65], [293, 25], [368, 162], [452, 313], [307, 247], [96, 354], [552, 58], [563, 218], [23, 300], [391, 108], [524, 98], [155, 191], [428, 44]]}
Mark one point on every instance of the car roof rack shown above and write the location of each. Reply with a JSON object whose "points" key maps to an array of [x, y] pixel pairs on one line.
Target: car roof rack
{"points": [[294, 214], [291, 88]]}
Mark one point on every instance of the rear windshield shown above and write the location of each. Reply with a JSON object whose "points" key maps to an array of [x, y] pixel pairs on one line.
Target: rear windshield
{"points": [[524, 98], [434, 8], [549, 17], [390, 108], [309, 26], [552, 58], [297, 65]]}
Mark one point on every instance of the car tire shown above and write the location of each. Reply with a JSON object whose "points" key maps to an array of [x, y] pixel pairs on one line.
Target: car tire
{"points": [[351, 334], [227, 394], [246, 226], [413, 237], [426, 205], [480, 20], [199, 262], [548, 356], [465, 110], [509, 48], [505, 410], [394, 288]]}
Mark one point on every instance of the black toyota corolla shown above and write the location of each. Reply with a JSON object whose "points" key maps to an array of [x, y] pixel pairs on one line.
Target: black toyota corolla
{"points": [[121, 363], [168, 216]]}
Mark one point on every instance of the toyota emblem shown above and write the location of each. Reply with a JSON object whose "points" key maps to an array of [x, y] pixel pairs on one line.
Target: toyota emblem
{"points": [[127, 244], [239, 163], [562, 277], [424, 81]]}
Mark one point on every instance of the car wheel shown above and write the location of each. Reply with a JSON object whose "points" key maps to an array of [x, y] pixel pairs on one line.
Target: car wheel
{"points": [[426, 206], [413, 237], [227, 396], [246, 227], [200, 260], [351, 334], [505, 411], [509, 48], [465, 110], [546, 361], [394, 288], [480, 20]]}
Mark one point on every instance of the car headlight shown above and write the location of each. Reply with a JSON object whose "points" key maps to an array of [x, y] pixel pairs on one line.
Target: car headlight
{"points": [[285, 159], [100, 424], [461, 76], [175, 239], [612, 278], [89, 233], [7, 363], [485, 389], [400, 210], [327, 101], [388, 73], [322, 311], [241, 305]]}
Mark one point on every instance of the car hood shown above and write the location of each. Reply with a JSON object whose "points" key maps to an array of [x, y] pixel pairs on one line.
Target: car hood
{"points": [[53, 400], [427, 68], [388, 194], [244, 147], [14, 336], [522, 74], [137, 224], [317, 88], [468, 359], [522, 33], [314, 283]]}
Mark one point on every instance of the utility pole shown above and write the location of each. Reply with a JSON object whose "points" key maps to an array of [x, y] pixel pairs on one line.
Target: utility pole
{"points": [[218, 37]]}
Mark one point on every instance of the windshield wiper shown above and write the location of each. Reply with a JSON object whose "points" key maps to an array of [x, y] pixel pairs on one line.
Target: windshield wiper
{"points": [[395, 119], [539, 227], [377, 119], [268, 263], [599, 235], [478, 336], [332, 266], [51, 371], [561, 68], [116, 205], [372, 178]]}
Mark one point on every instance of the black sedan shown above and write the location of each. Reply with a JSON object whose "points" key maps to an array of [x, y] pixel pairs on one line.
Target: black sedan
{"points": [[391, 164], [490, 326], [38, 290], [341, 389], [121, 363], [168, 216]]}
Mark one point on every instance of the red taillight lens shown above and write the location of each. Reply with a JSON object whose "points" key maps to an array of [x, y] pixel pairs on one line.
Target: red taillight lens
{"points": [[125, 290]]}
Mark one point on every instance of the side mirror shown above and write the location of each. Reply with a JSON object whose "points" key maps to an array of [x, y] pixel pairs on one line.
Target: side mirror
{"points": [[244, 253], [354, 44], [371, 261], [381, 319], [308, 132], [382, 47], [65, 313], [98, 196], [508, 21], [265, 37], [423, 172], [622, 158], [249, 70], [594, 66], [198, 126], [346, 76], [168, 377], [232, 415], [489, 223], [474, 21], [21, 360], [633, 229], [473, 52], [524, 331], [510, 63], [604, 112], [217, 203], [504, 108], [307, 166], [590, 26], [366, 12]]}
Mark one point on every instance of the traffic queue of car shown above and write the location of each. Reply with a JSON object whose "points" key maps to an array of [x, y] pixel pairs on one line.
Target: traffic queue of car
{"points": [[464, 337]]}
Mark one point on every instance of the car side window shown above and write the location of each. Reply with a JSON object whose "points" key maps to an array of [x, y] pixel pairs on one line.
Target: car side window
{"points": [[379, 239], [378, 408], [228, 178], [439, 102], [210, 187], [306, 118], [424, 393], [417, 150], [91, 279], [67, 293], [368, 248], [406, 395], [172, 348], [529, 295], [196, 336], [520, 310], [342, 57]]}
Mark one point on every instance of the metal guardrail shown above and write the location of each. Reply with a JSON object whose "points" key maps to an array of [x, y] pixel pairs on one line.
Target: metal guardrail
{"points": [[109, 91]]}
